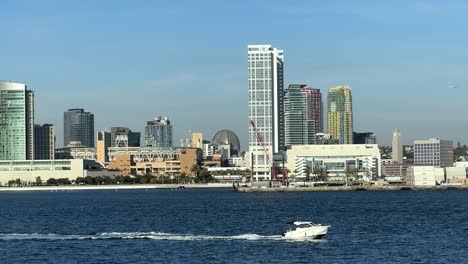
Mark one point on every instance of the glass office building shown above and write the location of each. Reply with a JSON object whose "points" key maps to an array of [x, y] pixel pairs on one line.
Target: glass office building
{"points": [[16, 122], [340, 114], [78, 126]]}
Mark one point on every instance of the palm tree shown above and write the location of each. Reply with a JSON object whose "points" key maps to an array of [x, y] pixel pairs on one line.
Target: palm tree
{"points": [[308, 170]]}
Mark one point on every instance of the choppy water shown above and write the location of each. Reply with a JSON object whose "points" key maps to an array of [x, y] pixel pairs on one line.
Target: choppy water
{"points": [[221, 226]]}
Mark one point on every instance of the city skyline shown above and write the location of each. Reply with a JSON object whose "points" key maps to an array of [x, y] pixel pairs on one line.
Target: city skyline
{"points": [[413, 63]]}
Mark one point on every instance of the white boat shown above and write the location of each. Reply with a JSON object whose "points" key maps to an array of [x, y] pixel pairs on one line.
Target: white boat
{"points": [[302, 229]]}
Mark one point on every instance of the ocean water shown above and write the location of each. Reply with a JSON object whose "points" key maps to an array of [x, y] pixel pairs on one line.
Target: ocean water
{"points": [[222, 226]]}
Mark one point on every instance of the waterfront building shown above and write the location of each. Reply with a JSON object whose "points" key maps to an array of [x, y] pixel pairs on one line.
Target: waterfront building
{"points": [[433, 152], [17, 121], [397, 147], [196, 140], [103, 142], [78, 125], [425, 176], [28, 171], [315, 107], [334, 160], [265, 81], [340, 114], [158, 133], [394, 169], [44, 142], [153, 160], [299, 127], [364, 138]]}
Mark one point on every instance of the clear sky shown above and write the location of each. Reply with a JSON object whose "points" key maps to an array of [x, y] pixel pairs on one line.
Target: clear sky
{"points": [[130, 61]]}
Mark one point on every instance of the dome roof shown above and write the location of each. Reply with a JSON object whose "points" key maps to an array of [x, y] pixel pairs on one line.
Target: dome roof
{"points": [[227, 137]]}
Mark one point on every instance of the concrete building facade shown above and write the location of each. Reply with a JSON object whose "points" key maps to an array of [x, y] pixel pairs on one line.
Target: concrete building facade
{"points": [[397, 147], [44, 142], [335, 159], [103, 142], [340, 114], [154, 161], [433, 152], [29, 170], [78, 125], [17, 121], [265, 89], [196, 140], [425, 175]]}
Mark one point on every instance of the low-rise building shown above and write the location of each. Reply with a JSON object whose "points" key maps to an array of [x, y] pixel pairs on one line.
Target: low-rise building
{"points": [[395, 169], [425, 175], [153, 160], [335, 159], [30, 170]]}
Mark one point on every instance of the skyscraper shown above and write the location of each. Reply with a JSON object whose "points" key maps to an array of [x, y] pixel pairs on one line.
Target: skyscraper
{"points": [[158, 133], [44, 142], [315, 107], [16, 121], [340, 114], [78, 126], [397, 148], [299, 128], [265, 79]]}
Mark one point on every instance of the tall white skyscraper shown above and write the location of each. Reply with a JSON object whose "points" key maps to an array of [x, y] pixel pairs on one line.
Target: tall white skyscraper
{"points": [[397, 148], [265, 74]]}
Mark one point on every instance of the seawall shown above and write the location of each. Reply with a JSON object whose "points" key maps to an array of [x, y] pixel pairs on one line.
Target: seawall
{"points": [[354, 188], [115, 187]]}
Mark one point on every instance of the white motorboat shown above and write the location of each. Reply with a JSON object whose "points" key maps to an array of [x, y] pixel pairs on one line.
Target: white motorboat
{"points": [[302, 229]]}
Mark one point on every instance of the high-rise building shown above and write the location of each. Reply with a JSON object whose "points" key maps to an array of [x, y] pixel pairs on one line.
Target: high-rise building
{"points": [[315, 107], [433, 152], [158, 133], [340, 114], [124, 137], [196, 140], [265, 79], [44, 142], [299, 128], [78, 126], [103, 142], [16, 121], [397, 147], [364, 138]]}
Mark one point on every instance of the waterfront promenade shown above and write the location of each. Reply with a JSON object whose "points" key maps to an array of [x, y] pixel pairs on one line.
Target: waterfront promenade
{"points": [[115, 187], [354, 188]]}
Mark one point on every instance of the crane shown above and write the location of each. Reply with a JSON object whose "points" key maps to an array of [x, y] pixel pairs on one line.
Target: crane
{"points": [[260, 139]]}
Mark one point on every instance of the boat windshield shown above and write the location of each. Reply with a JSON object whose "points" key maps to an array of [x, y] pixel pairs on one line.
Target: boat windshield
{"points": [[304, 225]]}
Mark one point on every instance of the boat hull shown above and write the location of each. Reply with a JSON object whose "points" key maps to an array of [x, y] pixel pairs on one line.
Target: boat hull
{"points": [[310, 232]]}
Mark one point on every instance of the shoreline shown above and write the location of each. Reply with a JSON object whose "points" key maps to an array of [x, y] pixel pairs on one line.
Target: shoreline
{"points": [[354, 188], [114, 187]]}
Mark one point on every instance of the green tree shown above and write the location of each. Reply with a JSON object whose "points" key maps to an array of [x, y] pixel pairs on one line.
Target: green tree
{"points": [[51, 181], [38, 180], [308, 171]]}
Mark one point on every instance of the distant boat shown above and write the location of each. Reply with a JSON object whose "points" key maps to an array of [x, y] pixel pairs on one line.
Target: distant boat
{"points": [[303, 229]]}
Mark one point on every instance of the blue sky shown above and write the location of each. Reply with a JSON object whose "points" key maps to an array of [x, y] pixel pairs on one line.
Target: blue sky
{"points": [[129, 61]]}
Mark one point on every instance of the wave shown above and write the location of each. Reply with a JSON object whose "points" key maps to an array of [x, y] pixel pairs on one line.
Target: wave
{"points": [[135, 235]]}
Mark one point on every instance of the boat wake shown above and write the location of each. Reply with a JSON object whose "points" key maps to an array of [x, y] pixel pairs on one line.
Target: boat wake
{"points": [[134, 235]]}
